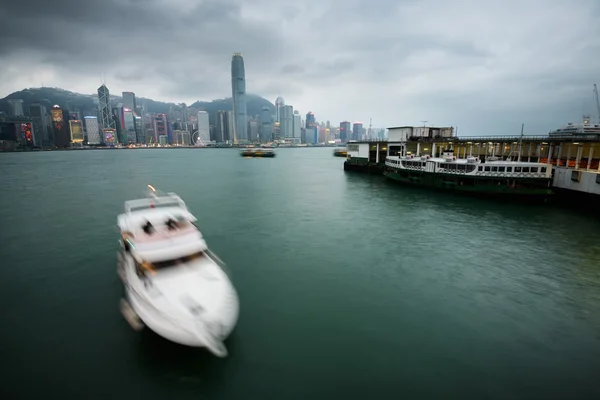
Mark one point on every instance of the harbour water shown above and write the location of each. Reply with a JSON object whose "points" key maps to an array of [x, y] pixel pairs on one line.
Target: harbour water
{"points": [[350, 286]]}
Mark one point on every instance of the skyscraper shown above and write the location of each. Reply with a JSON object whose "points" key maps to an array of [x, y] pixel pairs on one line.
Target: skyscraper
{"points": [[76, 131], [286, 127], [106, 119], [279, 104], [16, 107], [357, 131], [93, 130], [238, 94], [345, 131], [62, 138], [297, 125], [203, 127], [310, 120], [40, 128], [129, 101], [220, 133], [266, 125]]}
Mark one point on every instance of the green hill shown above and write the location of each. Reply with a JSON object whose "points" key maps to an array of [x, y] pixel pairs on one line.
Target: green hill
{"points": [[85, 102]]}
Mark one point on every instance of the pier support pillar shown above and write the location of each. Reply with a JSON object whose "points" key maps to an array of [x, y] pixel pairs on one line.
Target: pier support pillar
{"points": [[558, 155], [529, 155], [589, 163], [578, 159], [418, 149], [433, 150], [568, 155], [377, 154], [549, 161]]}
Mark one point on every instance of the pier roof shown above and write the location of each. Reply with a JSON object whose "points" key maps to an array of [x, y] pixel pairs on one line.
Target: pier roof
{"points": [[497, 139]]}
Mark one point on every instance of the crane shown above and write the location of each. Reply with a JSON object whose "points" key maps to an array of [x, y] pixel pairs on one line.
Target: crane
{"points": [[597, 102]]}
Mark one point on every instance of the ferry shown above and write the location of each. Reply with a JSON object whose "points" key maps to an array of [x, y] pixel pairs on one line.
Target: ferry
{"points": [[340, 152], [258, 152], [515, 180], [173, 283]]}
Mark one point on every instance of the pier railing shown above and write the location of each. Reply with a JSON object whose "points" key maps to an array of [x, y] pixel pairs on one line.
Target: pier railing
{"points": [[494, 139]]}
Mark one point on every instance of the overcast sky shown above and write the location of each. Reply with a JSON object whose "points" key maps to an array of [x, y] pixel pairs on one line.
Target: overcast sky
{"points": [[485, 66]]}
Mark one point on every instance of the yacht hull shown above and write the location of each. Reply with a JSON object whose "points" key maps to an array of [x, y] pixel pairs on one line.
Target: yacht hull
{"points": [[207, 331]]}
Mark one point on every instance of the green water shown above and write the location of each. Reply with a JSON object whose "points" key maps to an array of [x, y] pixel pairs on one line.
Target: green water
{"points": [[350, 286]]}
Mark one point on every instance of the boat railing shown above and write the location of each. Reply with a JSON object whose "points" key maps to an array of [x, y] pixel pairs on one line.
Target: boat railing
{"points": [[219, 262]]}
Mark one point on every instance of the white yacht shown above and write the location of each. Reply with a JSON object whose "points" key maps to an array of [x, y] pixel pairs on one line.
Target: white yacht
{"points": [[173, 283]]}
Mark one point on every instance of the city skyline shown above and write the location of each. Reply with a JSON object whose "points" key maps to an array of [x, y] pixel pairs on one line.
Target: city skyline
{"points": [[494, 66]]}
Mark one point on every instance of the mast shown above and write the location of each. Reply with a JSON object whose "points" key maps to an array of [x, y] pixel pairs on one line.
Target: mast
{"points": [[597, 102], [520, 142]]}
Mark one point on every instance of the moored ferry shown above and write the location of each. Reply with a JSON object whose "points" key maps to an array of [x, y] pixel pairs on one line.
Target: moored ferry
{"points": [[514, 180]]}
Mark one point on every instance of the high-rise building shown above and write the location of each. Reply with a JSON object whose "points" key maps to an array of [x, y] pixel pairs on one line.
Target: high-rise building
{"points": [[253, 130], [28, 133], [129, 100], [310, 120], [220, 132], [238, 94], [266, 125], [106, 117], [16, 107], [140, 134], [345, 131], [231, 126], [311, 134], [76, 131], [357, 131], [40, 127], [297, 125], [117, 121], [203, 127], [62, 138], [287, 122], [129, 125], [160, 127], [184, 114], [93, 130], [109, 137], [279, 104]]}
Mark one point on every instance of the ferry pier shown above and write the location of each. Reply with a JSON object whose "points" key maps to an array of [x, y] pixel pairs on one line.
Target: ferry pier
{"points": [[575, 159]]}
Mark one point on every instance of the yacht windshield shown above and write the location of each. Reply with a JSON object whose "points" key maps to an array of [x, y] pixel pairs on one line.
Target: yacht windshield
{"points": [[177, 261], [155, 205]]}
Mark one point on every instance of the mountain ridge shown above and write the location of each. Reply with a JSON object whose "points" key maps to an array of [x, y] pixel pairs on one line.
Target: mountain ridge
{"points": [[49, 96]]}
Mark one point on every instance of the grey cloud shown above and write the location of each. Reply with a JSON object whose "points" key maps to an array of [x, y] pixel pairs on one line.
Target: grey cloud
{"points": [[292, 69]]}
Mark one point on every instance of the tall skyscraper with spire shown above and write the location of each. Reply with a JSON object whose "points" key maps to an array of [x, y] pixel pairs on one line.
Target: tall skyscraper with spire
{"points": [[106, 120], [238, 94]]}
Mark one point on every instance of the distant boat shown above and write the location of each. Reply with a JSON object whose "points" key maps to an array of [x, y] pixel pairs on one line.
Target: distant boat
{"points": [[340, 152], [260, 152], [173, 283]]}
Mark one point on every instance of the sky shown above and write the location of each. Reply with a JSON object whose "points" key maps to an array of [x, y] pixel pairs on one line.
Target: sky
{"points": [[485, 67]]}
